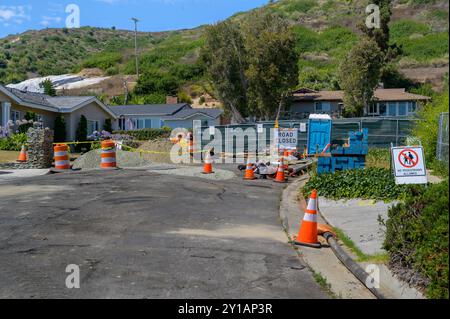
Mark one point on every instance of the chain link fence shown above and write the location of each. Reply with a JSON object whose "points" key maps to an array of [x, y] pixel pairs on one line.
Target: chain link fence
{"points": [[442, 144], [382, 131]]}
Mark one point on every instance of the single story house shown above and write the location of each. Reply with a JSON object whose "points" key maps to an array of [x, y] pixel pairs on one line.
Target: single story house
{"points": [[135, 117], [15, 104], [389, 102]]}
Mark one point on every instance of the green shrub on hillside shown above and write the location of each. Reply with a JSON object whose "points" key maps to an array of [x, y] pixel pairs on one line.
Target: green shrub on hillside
{"points": [[417, 236], [369, 183], [103, 61]]}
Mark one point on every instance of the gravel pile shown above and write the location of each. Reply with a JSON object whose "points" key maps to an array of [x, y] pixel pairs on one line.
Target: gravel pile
{"points": [[218, 175], [124, 160]]}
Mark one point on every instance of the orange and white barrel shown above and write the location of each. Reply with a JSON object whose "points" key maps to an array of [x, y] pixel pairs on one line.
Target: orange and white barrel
{"points": [[62, 160], [108, 155]]}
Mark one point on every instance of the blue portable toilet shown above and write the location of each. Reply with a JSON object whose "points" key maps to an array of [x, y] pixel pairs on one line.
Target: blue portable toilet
{"points": [[319, 133]]}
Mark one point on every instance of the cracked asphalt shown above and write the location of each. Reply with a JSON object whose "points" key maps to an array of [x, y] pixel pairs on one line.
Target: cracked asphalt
{"points": [[137, 234]]}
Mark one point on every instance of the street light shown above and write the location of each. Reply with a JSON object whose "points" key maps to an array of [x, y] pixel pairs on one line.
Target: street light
{"points": [[135, 45]]}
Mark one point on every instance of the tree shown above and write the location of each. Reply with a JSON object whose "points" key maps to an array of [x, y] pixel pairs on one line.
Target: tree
{"points": [[359, 75], [272, 70], [81, 133], [108, 126], [48, 87], [60, 129], [226, 59], [252, 65], [382, 35]]}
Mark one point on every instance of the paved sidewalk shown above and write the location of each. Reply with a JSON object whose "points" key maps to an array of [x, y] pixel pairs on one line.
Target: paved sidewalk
{"points": [[358, 219], [8, 175], [343, 283]]}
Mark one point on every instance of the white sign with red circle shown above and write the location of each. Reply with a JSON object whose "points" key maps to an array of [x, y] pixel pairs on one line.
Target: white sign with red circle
{"points": [[409, 165]]}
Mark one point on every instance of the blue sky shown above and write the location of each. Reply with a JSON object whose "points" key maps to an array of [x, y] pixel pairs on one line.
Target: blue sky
{"points": [[17, 16]]}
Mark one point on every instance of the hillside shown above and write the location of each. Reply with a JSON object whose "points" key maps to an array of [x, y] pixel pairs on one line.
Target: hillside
{"points": [[325, 29]]}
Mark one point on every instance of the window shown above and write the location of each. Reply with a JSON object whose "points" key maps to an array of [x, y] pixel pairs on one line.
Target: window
{"points": [[392, 109], [323, 107], [373, 109], [382, 109], [402, 109], [92, 126], [15, 116], [412, 107]]}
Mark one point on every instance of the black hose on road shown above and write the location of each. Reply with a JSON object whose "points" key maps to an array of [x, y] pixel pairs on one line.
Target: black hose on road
{"points": [[351, 265]]}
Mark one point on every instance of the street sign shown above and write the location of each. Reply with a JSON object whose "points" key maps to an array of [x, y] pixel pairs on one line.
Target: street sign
{"points": [[409, 165], [287, 138], [260, 128], [303, 127]]}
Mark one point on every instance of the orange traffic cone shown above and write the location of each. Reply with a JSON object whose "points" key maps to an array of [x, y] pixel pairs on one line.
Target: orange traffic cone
{"points": [[280, 177], [249, 172], [307, 235], [208, 168], [23, 155], [286, 153]]}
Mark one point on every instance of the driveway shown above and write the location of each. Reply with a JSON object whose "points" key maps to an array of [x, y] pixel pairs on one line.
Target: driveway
{"points": [[136, 234]]}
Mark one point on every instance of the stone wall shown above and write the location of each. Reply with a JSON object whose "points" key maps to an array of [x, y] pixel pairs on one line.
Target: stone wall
{"points": [[40, 148]]}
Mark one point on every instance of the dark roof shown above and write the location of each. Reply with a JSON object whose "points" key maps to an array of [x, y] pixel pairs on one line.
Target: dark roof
{"points": [[31, 97], [149, 109], [184, 114], [68, 102], [58, 102]]}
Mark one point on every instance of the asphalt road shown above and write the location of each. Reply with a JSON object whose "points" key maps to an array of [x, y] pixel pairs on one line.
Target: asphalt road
{"points": [[136, 234]]}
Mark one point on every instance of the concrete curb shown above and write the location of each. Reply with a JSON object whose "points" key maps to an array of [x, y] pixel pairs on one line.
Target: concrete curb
{"points": [[343, 283], [390, 286]]}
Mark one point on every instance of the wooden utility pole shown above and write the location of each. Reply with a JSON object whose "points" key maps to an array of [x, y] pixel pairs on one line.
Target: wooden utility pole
{"points": [[135, 45]]}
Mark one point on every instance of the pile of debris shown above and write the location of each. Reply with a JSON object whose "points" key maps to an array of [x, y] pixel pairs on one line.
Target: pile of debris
{"points": [[92, 160]]}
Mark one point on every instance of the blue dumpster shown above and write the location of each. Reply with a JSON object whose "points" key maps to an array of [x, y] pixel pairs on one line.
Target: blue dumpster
{"points": [[319, 133]]}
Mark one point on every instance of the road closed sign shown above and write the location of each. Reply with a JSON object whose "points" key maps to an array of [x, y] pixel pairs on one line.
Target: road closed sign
{"points": [[287, 138], [409, 165]]}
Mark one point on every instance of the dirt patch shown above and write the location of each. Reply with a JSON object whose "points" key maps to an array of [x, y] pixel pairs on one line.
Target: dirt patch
{"points": [[218, 175], [435, 76], [158, 151]]}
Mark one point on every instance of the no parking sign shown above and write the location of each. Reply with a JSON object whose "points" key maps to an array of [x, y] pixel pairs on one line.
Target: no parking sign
{"points": [[409, 165]]}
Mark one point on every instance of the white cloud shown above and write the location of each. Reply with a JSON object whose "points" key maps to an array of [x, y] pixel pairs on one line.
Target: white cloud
{"points": [[46, 20], [14, 14]]}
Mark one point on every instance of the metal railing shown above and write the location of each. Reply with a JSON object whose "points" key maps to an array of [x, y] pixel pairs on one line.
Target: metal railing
{"points": [[442, 143], [383, 131]]}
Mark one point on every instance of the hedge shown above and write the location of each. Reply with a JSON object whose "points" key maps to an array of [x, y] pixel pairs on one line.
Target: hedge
{"points": [[147, 134], [417, 236], [369, 183]]}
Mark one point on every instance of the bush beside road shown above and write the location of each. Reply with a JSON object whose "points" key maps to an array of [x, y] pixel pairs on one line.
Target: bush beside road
{"points": [[417, 239]]}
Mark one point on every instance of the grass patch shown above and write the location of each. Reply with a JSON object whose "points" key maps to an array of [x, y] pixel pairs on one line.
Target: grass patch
{"points": [[378, 158], [323, 283], [361, 256], [8, 156]]}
